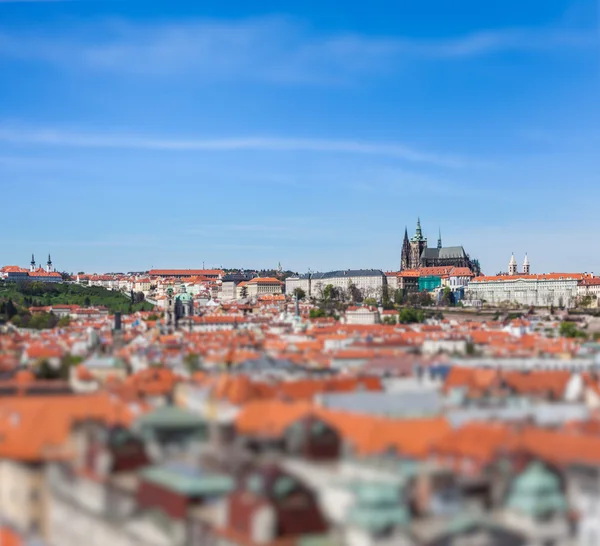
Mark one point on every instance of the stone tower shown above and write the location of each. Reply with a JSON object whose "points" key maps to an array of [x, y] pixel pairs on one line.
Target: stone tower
{"points": [[439, 245], [417, 244], [405, 256], [170, 309], [526, 267], [512, 265]]}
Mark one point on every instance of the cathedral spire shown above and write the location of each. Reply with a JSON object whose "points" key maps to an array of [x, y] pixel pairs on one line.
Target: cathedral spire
{"points": [[418, 233], [405, 256], [439, 245], [32, 265]]}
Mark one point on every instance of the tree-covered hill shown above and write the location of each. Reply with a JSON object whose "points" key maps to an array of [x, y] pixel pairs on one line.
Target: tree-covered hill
{"points": [[37, 294]]}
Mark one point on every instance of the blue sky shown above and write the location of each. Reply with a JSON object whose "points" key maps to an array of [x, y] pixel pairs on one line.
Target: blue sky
{"points": [[171, 134]]}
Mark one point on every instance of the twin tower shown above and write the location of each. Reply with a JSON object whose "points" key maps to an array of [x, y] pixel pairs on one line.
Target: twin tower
{"points": [[512, 266]]}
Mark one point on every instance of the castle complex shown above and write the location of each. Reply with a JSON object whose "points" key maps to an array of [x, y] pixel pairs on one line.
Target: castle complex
{"points": [[416, 254]]}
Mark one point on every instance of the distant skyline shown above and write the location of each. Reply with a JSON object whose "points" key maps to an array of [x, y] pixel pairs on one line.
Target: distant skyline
{"points": [[167, 134]]}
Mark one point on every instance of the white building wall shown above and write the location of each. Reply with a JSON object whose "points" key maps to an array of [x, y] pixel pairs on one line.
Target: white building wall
{"points": [[536, 292]]}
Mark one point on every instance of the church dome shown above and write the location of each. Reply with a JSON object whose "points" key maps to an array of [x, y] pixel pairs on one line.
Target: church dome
{"points": [[184, 296]]}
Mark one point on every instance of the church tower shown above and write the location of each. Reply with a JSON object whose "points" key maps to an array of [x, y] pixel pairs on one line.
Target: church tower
{"points": [[439, 245], [417, 244], [49, 265], [32, 264], [512, 265], [526, 267], [405, 256], [170, 309]]}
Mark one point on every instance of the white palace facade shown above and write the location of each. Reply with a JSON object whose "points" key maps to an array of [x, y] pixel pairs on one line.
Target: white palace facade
{"points": [[544, 290]]}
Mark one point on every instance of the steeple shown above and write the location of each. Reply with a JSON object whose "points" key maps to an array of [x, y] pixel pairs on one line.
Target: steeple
{"points": [[32, 265], [439, 238], [526, 266], [418, 232], [405, 256], [512, 265], [49, 264]]}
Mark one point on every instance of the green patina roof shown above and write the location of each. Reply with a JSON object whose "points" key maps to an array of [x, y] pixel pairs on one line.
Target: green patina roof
{"points": [[169, 417], [537, 492], [184, 296], [376, 493], [376, 519], [378, 506], [189, 483]]}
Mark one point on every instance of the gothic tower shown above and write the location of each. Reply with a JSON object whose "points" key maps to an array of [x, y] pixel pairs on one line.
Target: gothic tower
{"points": [[417, 244], [512, 265], [49, 264], [439, 245], [405, 256], [526, 267]]}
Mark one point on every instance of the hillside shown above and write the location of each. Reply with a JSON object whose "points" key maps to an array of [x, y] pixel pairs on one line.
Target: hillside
{"points": [[43, 294]]}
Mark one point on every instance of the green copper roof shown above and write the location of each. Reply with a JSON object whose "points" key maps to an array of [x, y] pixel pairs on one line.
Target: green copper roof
{"points": [[377, 519], [536, 492], [189, 482], [184, 296], [377, 493], [169, 417], [379, 505]]}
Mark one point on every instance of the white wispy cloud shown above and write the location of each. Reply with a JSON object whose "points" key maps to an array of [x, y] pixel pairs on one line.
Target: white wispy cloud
{"points": [[269, 48], [59, 138]]}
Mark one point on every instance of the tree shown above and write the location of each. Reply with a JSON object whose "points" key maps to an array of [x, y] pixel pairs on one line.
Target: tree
{"points": [[385, 294], [390, 320], [87, 302], [409, 315], [370, 301], [447, 297], [10, 310], [46, 371], [317, 313], [398, 296], [65, 321], [424, 298], [192, 363], [299, 293], [138, 297], [569, 329], [586, 301], [244, 292], [354, 293]]}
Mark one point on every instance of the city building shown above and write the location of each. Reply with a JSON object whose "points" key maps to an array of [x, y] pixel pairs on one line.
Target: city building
{"points": [[369, 281], [183, 273], [551, 289], [230, 283], [589, 288], [260, 286], [362, 315], [416, 253], [34, 273]]}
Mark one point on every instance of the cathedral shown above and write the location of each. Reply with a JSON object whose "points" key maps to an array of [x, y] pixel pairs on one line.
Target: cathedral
{"points": [[416, 254]]}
